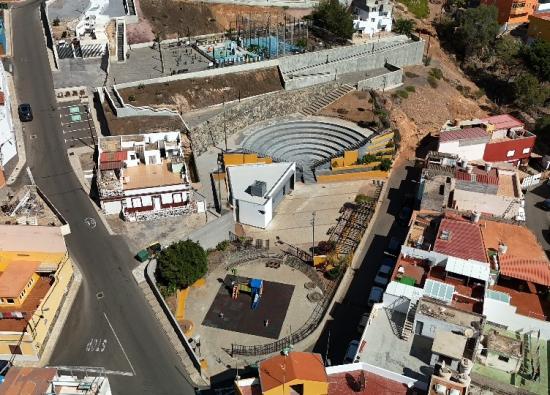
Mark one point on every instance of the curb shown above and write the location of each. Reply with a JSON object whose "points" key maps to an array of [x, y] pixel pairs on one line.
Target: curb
{"points": [[70, 297]]}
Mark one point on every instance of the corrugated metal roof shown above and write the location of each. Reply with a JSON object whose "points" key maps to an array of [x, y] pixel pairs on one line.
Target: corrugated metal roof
{"points": [[533, 270], [463, 134], [504, 121], [497, 295], [468, 268], [397, 288]]}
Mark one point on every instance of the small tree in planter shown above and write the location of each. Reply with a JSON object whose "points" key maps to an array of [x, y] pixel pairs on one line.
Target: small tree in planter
{"points": [[180, 265]]}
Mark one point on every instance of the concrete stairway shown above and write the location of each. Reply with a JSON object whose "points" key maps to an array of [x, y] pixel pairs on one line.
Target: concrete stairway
{"points": [[326, 100], [120, 40], [409, 321]]}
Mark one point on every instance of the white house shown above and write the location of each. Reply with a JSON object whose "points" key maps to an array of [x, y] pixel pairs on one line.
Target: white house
{"points": [[8, 147], [467, 143], [255, 190], [372, 16], [144, 176]]}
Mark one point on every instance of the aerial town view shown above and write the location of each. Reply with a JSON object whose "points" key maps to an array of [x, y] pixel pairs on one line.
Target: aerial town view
{"points": [[275, 197]]}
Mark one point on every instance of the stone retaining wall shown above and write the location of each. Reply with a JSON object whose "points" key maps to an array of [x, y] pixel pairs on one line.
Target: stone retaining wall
{"points": [[389, 80], [246, 113]]}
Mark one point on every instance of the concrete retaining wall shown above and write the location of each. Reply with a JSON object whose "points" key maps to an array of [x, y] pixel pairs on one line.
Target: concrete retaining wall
{"points": [[382, 82], [203, 73]]}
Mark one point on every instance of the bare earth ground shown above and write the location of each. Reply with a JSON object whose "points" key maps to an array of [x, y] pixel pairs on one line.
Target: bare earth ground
{"points": [[191, 94], [354, 107], [173, 18], [427, 109], [136, 125]]}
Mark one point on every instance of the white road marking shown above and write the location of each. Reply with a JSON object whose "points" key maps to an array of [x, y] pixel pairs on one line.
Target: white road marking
{"points": [[75, 130], [77, 138], [120, 344], [96, 345]]}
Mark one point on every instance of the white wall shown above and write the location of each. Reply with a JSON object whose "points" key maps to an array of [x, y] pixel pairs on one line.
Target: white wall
{"points": [[113, 207], [468, 152], [505, 314], [157, 190], [8, 144], [252, 214], [367, 25]]}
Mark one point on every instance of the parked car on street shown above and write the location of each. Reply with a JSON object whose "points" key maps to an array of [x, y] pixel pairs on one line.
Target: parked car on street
{"points": [[383, 275], [375, 295], [25, 112], [393, 246], [363, 323], [351, 351]]}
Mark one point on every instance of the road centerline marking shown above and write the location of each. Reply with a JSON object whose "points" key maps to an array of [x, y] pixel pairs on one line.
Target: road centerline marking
{"points": [[119, 343]]}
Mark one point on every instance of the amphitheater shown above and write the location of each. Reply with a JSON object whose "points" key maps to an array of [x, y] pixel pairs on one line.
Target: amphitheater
{"points": [[308, 141]]}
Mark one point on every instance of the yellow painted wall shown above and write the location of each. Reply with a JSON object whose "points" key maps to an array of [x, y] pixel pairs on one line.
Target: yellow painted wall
{"points": [[539, 28], [310, 388], [236, 159], [350, 157], [8, 256], [364, 175], [44, 317]]}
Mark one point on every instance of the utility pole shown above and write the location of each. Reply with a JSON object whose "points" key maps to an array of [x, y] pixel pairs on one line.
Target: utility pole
{"points": [[224, 128], [313, 214]]}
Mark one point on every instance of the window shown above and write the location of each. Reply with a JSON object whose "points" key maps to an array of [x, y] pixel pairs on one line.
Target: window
{"points": [[136, 202], [511, 153], [372, 19], [526, 150], [297, 389], [10, 300], [503, 358], [15, 349]]}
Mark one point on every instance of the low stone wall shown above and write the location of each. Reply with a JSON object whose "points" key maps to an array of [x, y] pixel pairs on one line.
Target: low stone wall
{"points": [[247, 113]]}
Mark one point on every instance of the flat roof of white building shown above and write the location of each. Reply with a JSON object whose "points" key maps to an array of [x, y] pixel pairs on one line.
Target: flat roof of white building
{"points": [[242, 177]]}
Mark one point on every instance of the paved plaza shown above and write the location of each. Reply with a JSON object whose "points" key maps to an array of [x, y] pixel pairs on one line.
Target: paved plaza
{"points": [[292, 220]]}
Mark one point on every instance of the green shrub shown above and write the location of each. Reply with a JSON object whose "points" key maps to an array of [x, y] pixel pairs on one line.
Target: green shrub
{"points": [[368, 158], [360, 198], [181, 264], [479, 93], [403, 94], [410, 88], [419, 8], [131, 98], [222, 245], [436, 73], [410, 74], [432, 81], [385, 164]]}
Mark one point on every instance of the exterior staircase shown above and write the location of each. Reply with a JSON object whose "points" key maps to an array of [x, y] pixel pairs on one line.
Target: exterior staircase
{"points": [[409, 320], [328, 99], [120, 40]]}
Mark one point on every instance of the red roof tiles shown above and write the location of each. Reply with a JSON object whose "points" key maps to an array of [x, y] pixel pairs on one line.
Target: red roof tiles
{"points": [[464, 240], [113, 156], [478, 175], [462, 134], [533, 270], [350, 383], [504, 121]]}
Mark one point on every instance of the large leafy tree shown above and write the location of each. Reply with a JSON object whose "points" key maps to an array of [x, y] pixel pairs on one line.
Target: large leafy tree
{"points": [[334, 17], [529, 92], [537, 58], [477, 28], [404, 26], [181, 264]]}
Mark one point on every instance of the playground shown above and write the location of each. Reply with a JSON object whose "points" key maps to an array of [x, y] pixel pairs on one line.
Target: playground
{"points": [[248, 311], [220, 318]]}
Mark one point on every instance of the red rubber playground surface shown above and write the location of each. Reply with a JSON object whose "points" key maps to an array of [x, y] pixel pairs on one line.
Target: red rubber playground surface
{"points": [[238, 315]]}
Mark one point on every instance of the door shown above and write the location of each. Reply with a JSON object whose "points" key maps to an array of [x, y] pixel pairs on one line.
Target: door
{"points": [[156, 203]]}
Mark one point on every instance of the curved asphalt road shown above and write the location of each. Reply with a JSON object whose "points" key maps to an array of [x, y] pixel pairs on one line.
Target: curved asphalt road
{"points": [[117, 331]]}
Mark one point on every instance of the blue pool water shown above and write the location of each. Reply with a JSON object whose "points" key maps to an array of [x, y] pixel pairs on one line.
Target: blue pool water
{"points": [[270, 44]]}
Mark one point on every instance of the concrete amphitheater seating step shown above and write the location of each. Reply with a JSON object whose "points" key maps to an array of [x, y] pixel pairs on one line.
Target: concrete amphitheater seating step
{"points": [[305, 142], [328, 99]]}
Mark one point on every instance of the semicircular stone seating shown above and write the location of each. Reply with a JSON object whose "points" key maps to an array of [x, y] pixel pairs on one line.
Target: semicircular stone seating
{"points": [[305, 142]]}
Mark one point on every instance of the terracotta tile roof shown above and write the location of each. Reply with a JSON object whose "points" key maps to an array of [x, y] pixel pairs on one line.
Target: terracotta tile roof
{"points": [[478, 175], [2, 98], [27, 381], [348, 383], [15, 278], [464, 240], [296, 366], [536, 271], [115, 156], [463, 134], [521, 242], [111, 165], [504, 121]]}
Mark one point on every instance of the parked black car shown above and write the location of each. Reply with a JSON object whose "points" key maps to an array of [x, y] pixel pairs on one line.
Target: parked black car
{"points": [[25, 112]]}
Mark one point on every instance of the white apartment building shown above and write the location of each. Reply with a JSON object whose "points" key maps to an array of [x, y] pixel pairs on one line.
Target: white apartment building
{"points": [[8, 146], [372, 16], [144, 176]]}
